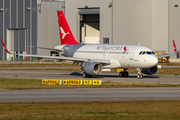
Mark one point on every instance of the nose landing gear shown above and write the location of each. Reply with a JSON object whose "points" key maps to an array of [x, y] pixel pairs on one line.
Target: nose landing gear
{"points": [[140, 75]]}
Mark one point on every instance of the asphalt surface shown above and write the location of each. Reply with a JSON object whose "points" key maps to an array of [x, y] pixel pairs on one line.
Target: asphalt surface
{"points": [[73, 67], [34, 62], [113, 77], [90, 94], [40, 68]]}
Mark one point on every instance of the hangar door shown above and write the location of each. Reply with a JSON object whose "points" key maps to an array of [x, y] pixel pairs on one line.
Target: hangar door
{"points": [[16, 42], [89, 25]]}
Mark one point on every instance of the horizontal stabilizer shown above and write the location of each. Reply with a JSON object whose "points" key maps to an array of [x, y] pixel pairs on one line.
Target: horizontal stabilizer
{"points": [[58, 50]]}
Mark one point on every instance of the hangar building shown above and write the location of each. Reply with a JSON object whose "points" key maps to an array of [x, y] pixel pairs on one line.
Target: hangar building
{"points": [[18, 27], [153, 23]]}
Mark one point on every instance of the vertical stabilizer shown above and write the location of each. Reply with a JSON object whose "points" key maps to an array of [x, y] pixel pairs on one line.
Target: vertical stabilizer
{"points": [[66, 36]]}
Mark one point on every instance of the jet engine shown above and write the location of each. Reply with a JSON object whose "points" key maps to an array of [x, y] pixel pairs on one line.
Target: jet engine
{"points": [[93, 68], [150, 71]]}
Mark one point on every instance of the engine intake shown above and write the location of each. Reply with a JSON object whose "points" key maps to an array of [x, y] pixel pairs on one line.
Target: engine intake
{"points": [[92, 68], [150, 71]]}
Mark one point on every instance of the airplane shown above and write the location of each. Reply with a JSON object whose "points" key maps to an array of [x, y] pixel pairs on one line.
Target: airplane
{"points": [[93, 58]]}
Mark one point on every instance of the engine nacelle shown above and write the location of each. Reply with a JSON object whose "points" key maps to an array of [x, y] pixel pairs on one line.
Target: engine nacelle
{"points": [[150, 71], [92, 68]]}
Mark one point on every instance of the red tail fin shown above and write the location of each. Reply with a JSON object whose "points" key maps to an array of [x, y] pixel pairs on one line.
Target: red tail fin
{"points": [[66, 36]]}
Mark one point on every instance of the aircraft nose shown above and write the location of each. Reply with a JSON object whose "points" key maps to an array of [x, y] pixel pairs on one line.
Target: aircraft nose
{"points": [[154, 60]]}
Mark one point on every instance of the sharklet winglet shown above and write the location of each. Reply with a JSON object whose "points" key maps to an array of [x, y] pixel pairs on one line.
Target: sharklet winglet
{"points": [[5, 47], [174, 45]]}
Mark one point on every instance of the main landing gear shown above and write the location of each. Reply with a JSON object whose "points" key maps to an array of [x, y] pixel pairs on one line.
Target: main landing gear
{"points": [[124, 73], [85, 75], [140, 75]]}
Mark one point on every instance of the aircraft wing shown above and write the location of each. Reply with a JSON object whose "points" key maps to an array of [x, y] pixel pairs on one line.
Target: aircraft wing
{"points": [[105, 61], [171, 54], [166, 55]]}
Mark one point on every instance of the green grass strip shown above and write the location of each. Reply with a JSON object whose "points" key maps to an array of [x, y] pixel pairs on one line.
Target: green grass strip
{"points": [[143, 110], [15, 84]]}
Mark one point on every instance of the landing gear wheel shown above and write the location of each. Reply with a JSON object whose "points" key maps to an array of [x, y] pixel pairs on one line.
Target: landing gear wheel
{"points": [[126, 74], [89, 76], [85, 75], [140, 76], [121, 74]]}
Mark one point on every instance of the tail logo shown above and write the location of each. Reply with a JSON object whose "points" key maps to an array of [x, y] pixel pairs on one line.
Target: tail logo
{"points": [[64, 34]]}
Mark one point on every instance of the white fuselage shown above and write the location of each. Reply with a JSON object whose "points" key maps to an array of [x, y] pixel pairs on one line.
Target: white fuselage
{"points": [[120, 56]]}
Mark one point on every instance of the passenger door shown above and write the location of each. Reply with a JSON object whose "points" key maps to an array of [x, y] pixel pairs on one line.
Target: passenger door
{"points": [[131, 54]]}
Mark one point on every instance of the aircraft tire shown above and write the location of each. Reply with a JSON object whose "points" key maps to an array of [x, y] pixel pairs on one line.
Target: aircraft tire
{"points": [[126, 74], [140, 76], [121, 74], [84, 75], [89, 76]]}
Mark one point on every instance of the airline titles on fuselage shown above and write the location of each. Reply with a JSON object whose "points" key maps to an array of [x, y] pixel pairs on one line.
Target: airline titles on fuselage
{"points": [[99, 50], [109, 48]]}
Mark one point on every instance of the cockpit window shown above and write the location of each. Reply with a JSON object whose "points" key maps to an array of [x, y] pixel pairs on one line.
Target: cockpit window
{"points": [[146, 52], [143, 52], [140, 53]]}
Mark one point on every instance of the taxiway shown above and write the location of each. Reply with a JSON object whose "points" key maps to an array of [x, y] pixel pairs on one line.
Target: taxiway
{"points": [[90, 94], [70, 75]]}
